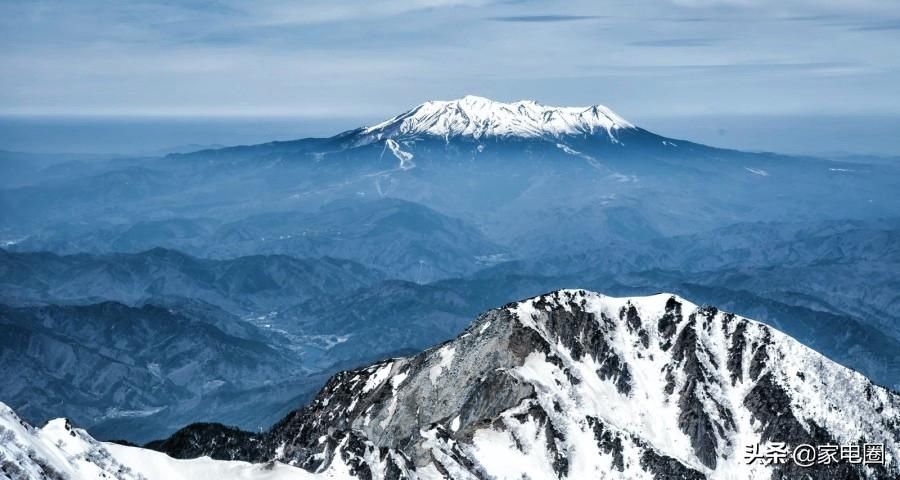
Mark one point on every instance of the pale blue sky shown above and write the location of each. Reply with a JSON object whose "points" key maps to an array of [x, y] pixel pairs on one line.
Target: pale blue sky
{"points": [[661, 59], [358, 58]]}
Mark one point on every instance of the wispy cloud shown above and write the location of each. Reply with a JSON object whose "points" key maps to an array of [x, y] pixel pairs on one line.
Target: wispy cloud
{"points": [[326, 57], [676, 42], [878, 26], [797, 7], [544, 18], [736, 68], [862, 23]]}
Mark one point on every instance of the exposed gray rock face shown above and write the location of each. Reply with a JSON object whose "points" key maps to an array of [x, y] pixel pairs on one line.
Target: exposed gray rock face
{"points": [[575, 384]]}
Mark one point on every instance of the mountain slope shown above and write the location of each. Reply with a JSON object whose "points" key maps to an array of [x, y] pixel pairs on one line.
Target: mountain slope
{"points": [[502, 166], [141, 372], [258, 283], [847, 269], [575, 384], [530, 161], [59, 451], [403, 239]]}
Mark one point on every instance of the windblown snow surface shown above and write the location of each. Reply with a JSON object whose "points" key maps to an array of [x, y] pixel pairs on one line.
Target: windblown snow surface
{"points": [[573, 385], [59, 451]]}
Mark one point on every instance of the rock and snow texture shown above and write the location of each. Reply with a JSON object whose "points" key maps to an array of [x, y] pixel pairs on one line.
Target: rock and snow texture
{"points": [[405, 158], [59, 451], [56, 451], [572, 385], [479, 117], [578, 385]]}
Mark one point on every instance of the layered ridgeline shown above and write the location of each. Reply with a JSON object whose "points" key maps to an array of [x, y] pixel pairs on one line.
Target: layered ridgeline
{"points": [[570, 384], [135, 346]]}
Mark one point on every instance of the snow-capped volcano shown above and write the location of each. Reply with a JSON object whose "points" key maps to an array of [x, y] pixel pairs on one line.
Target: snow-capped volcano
{"points": [[479, 117]]}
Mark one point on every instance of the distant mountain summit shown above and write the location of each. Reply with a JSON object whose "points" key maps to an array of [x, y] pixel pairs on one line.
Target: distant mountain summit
{"points": [[479, 117], [523, 159]]}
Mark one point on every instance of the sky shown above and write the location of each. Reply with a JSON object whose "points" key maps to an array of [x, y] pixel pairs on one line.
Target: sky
{"points": [[655, 60]]}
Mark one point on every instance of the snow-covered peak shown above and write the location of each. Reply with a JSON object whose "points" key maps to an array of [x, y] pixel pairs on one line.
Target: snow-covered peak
{"points": [[576, 384], [479, 117], [55, 451], [571, 384]]}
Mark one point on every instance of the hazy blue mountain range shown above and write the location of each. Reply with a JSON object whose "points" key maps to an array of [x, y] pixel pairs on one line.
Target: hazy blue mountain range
{"points": [[364, 317], [845, 267], [324, 253], [404, 239], [252, 284], [136, 371]]}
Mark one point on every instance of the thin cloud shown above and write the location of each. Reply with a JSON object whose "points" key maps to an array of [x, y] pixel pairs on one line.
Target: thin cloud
{"points": [[739, 68], [686, 19], [852, 23], [676, 42], [812, 18], [878, 26], [182, 56], [545, 18]]}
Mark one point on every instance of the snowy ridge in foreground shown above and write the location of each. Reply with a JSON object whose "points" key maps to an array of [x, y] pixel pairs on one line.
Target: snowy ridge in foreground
{"points": [[479, 117], [576, 385], [571, 384], [56, 451], [59, 451]]}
